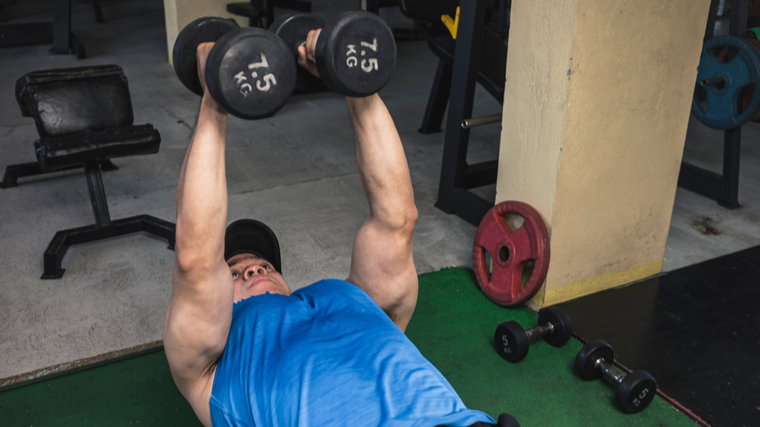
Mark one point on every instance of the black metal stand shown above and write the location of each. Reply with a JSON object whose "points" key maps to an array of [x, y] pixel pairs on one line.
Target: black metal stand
{"points": [[58, 33], [103, 227], [456, 175], [439, 96], [98, 11], [14, 172], [724, 188]]}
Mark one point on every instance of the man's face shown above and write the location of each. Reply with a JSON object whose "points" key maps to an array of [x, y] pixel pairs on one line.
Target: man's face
{"points": [[255, 276]]}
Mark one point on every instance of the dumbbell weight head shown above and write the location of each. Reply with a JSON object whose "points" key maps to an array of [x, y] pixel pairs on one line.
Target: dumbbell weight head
{"points": [[293, 29], [512, 342], [585, 360], [563, 327], [356, 54], [184, 54], [636, 391], [250, 73]]}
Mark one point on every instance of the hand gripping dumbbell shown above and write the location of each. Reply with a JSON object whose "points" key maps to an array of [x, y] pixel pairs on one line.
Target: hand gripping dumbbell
{"points": [[634, 391], [249, 71], [355, 52], [513, 342]]}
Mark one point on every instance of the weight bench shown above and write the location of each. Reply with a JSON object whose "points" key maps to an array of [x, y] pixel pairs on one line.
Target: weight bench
{"points": [[84, 118]]}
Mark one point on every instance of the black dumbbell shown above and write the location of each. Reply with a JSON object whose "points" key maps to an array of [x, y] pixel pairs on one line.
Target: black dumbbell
{"points": [[249, 71], [355, 52], [634, 391], [507, 420], [513, 342]]}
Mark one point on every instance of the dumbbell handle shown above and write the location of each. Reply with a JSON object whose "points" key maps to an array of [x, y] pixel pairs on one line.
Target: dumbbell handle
{"points": [[539, 331], [609, 371]]}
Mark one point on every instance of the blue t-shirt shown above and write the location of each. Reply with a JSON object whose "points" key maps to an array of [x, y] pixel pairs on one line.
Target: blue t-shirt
{"points": [[327, 356]]}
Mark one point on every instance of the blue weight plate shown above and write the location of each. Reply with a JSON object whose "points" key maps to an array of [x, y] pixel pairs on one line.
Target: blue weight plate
{"points": [[722, 110]]}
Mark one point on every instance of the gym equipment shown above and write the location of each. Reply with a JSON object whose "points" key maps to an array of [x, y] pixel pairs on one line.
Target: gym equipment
{"points": [[184, 54], [512, 252], [724, 83], [355, 52], [507, 420], [635, 391], [480, 121], [248, 71], [513, 342], [84, 118], [293, 29], [749, 92]]}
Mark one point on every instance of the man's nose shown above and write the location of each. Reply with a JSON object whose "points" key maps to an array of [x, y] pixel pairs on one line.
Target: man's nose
{"points": [[253, 270]]}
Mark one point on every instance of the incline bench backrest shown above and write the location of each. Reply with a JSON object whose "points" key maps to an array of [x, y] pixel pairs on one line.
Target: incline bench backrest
{"points": [[64, 101]]}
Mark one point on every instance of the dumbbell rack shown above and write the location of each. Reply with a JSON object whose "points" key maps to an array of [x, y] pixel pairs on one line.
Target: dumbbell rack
{"points": [[723, 188], [457, 177]]}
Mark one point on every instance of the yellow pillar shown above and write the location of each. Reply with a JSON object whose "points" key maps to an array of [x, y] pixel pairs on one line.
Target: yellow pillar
{"points": [[178, 13], [596, 105]]}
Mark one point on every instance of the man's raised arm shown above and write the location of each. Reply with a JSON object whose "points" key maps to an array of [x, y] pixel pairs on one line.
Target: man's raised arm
{"points": [[382, 262], [200, 309]]}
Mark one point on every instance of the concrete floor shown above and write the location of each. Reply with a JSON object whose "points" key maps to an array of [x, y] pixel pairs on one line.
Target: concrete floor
{"points": [[295, 171]]}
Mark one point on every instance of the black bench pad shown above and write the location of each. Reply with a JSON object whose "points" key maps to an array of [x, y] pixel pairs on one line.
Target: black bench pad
{"points": [[57, 152], [75, 99]]}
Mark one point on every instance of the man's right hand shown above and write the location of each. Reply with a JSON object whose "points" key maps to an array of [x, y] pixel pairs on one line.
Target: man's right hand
{"points": [[202, 53], [306, 53]]}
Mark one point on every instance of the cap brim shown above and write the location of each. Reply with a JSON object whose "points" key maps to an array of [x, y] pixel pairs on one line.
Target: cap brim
{"points": [[253, 237]]}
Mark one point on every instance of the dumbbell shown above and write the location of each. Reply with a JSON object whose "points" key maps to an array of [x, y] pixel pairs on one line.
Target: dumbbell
{"points": [[634, 391], [355, 52], [506, 420], [249, 71], [513, 342]]}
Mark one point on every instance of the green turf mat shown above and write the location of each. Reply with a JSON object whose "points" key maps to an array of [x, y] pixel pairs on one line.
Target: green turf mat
{"points": [[137, 391], [453, 326]]}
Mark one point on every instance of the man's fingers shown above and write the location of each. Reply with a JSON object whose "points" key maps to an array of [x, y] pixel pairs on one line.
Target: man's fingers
{"points": [[202, 55], [306, 54], [311, 44], [302, 59]]}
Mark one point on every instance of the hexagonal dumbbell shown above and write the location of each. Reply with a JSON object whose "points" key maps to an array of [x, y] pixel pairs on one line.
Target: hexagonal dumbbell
{"points": [[513, 342], [634, 391]]}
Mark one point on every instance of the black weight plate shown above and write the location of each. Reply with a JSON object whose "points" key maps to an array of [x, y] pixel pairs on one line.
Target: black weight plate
{"points": [[293, 29], [563, 327], [512, 342], [356, 54], [587, 357], [185, 52], [635, 392], [250, 73]]}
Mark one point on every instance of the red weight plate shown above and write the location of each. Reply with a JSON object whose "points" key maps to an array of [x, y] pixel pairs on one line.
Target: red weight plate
{"points": [[530, 242]]}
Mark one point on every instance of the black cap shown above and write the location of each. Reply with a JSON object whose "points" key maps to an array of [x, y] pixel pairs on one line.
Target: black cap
{"points": [[248, 236]]}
